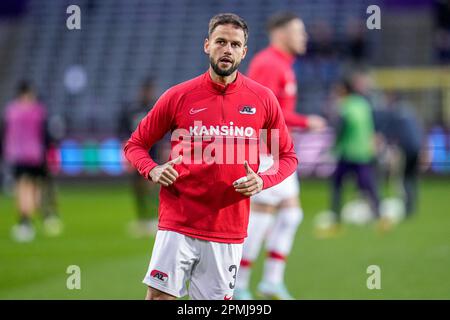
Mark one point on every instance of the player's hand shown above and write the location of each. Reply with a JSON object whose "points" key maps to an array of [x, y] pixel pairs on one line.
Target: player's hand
{"points": [[251, 184], [316, 123], [165, 174]]}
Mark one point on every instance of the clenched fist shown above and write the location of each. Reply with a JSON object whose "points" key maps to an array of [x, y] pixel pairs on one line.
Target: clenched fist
{"points": [[165, 174], [251, 184]]}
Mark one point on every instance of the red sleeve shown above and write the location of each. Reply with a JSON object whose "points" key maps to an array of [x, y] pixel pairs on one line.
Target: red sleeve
{"points": [[294, 119], [286, 162], [150, 130]]}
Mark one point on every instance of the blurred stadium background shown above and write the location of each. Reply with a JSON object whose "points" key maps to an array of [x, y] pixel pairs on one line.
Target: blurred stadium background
{"points": [[85, 77]]}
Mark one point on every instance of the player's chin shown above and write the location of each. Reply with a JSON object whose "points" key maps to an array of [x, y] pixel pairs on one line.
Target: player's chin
{"points": [[226, 71]]}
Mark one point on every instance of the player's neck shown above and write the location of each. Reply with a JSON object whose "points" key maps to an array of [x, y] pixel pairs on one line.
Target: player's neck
{"points": [[26, 100], [223, 80]]}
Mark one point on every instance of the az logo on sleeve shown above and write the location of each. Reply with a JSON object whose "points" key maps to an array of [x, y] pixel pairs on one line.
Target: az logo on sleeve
{"points": [[159, 275]]}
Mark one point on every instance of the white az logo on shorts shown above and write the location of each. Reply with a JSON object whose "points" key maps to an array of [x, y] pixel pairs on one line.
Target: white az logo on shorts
{"points": [[159, 275]]}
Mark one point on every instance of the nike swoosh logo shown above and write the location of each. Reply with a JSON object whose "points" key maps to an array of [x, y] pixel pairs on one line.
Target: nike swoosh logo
{"points": [[227, 297], [193, 111]]}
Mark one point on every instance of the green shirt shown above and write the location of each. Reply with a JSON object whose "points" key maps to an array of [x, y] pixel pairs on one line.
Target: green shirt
{"points": [[356, 136]]}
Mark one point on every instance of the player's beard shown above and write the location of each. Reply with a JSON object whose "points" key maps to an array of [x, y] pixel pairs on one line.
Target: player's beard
{"points": [[221, 72]]}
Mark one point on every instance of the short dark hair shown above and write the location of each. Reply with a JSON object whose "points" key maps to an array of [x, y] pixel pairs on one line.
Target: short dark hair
{"points": [[228, 18], [347, 84], [24, 87], [280, 19], [148, 82]]}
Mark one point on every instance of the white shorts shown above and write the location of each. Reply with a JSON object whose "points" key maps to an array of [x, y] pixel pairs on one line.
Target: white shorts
{"points": [[288, 188], [210, 267]]}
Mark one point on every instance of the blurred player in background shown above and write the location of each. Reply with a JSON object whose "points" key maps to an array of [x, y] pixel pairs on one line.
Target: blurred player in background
{"points": [[204, 207], [276, 212], [405, 132], [53, 225], [24, 148], [355, 149], [145, 193]]}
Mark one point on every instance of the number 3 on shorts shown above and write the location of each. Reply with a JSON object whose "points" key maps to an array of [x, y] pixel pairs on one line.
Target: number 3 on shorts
{"points": [[231, 268]]}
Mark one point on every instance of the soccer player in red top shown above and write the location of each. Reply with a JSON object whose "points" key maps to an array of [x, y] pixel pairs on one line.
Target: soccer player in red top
{"points": [[216, 121], [272, 67]]}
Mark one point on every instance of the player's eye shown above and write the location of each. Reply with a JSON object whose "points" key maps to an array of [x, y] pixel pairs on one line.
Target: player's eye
{"points": [[236, 45]]}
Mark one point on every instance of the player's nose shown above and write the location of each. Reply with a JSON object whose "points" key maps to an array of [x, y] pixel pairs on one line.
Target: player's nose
{"points": [[227, 48]]}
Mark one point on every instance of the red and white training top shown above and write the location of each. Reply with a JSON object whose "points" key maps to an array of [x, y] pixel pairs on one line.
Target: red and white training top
{"points": [[272, 68], [202, 203]]}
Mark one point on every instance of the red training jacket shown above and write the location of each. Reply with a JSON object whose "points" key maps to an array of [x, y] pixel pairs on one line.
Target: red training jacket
{"points": [[202, 203]]}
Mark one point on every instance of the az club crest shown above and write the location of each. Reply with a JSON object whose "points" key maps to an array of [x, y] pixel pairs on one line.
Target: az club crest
{"points": [[159, 275], [247, 110]]}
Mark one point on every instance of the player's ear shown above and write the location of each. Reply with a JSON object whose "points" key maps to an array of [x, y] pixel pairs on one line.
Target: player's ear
{"points": [[206, 46], [244, 52]]}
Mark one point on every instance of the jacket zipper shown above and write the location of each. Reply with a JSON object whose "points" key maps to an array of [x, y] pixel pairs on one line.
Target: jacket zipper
{"points": [[222, 95]]}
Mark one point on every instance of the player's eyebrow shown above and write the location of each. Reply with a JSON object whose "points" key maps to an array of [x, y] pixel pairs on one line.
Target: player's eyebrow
{"points": [[232, 41]]}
